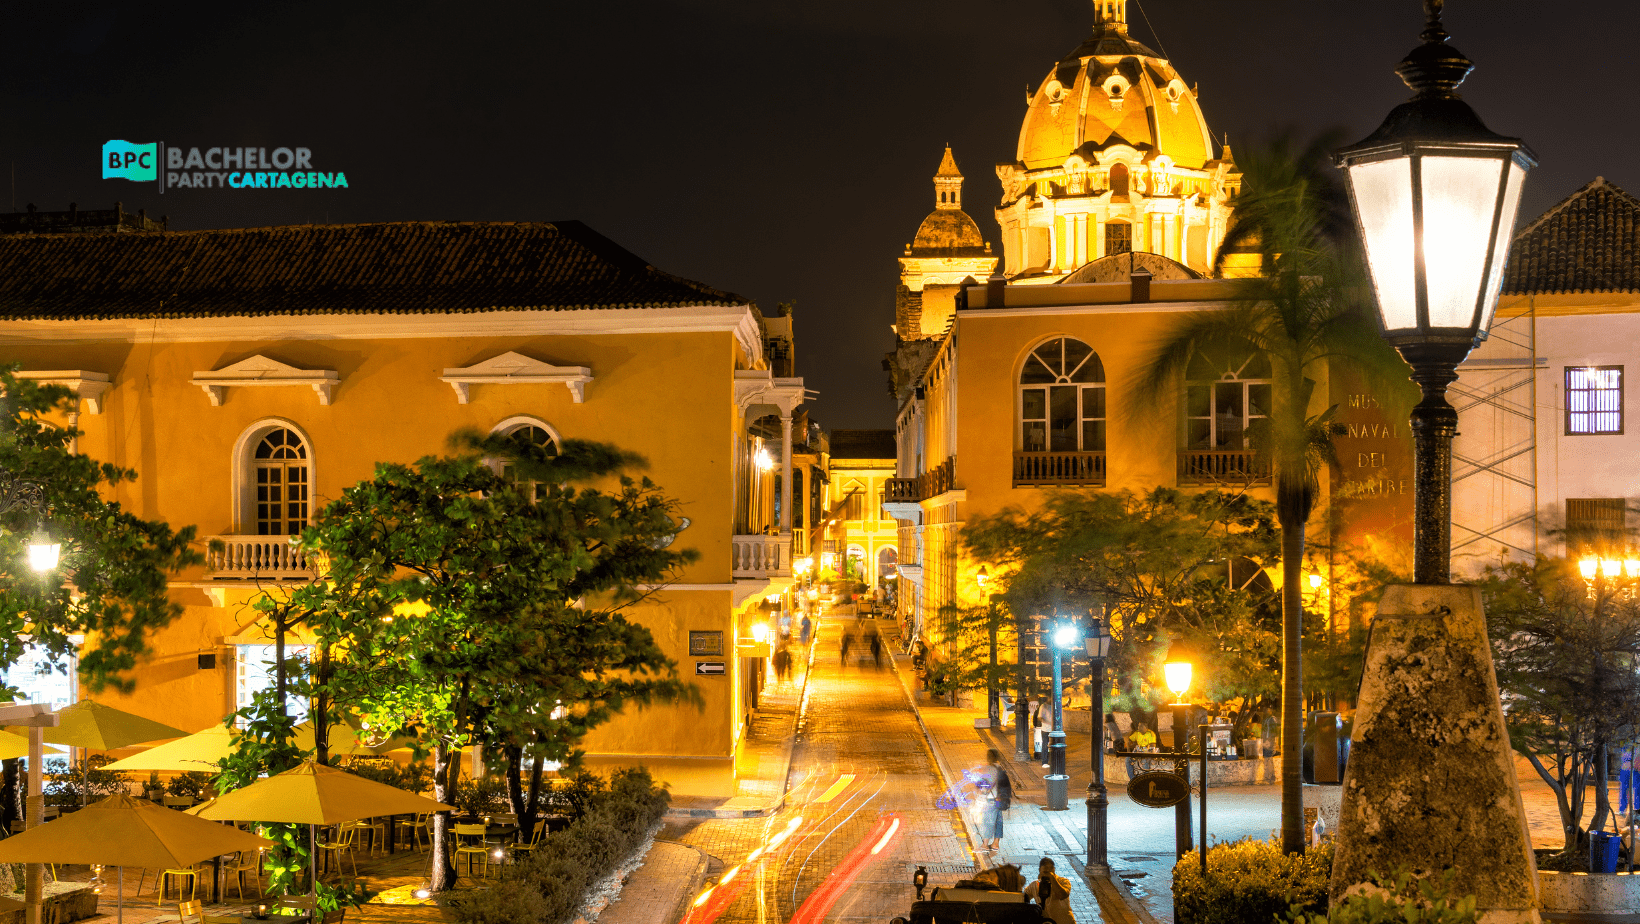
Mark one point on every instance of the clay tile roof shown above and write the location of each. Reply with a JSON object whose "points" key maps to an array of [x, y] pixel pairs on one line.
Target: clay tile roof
{"points": [[1584, 244], [410, 267], [948, 165], [863, 444]]}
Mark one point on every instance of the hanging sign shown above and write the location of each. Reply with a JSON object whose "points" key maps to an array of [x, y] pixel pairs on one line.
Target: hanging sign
{"points": [[1158, 789]]}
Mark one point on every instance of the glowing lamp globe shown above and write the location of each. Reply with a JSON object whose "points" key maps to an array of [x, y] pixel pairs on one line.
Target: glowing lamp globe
{"points": [[1435, 194], [1589, 567], [1066, 637], [43, 553], [1178, 676]]}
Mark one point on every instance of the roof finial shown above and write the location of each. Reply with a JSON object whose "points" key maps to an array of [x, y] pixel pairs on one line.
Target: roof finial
{"points": [[1433, 31], [1434, 69], [1109, 12]]}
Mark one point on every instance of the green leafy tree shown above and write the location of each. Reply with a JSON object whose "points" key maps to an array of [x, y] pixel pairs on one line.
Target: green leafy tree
{"points": [[110, 584], [1302, 316], [1566, 654], [1163, 566], [482, 607]]}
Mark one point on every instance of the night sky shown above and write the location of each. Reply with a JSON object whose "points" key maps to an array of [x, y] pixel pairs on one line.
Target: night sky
{"points": [[774, 148]]}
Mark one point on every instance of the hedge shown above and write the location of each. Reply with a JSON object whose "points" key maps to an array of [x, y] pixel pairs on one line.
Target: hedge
{"points": [[548, 887], [1250, 882]]}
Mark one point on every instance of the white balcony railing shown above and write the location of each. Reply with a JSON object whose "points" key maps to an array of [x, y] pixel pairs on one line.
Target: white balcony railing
{"points": [[761, 556], [267, 557]]}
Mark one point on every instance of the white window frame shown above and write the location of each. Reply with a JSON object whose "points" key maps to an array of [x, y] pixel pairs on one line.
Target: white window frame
{"points": [[1229, 378], [243, 482], [1083, 417], [1590, 416], [258, 659]]}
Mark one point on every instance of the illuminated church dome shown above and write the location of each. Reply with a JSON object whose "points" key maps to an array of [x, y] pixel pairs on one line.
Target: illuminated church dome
{"points": [[1114, 156]]}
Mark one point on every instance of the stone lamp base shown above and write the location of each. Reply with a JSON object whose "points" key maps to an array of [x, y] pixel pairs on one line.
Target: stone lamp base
{"points": [[1430, 782]]}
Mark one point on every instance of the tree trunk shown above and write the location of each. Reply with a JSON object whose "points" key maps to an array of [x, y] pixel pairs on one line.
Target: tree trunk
{"points": [[279, 681], [321, 709], [8, 795], [515, 786], [1602, 795], [444, 789], [1291, 513]]}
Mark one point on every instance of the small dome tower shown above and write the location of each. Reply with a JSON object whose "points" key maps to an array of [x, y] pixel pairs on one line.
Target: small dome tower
{"points": [[948, 248]]}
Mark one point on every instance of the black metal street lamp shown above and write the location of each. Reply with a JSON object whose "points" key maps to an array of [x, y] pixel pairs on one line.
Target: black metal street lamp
{"points": [[1435, 195], [1065, 637], [1098, 645], [1177, 672]]}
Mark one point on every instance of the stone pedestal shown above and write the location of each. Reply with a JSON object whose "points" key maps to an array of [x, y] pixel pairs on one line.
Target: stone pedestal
{"points": [[1431, 778]]}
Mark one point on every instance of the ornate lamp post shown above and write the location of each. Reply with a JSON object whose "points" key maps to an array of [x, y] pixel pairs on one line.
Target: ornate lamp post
{"points": [[1098, 645], [1064, 637], [1435, 194], [1178, 671]]}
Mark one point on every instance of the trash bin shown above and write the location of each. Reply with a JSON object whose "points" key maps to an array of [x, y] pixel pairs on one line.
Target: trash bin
{"points": [[1603, 852]]}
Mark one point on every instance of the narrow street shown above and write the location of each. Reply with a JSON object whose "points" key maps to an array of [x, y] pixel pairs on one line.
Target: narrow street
{"points": [[861, 817]]}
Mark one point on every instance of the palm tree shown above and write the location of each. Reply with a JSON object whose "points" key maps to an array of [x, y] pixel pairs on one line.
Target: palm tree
{"points": [[1304, 312]]}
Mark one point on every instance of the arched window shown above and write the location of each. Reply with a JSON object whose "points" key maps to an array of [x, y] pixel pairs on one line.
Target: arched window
{"points": [[279, 471], [888, 562], [1118, 180], [1225, 395], [537, 433], [1062, 399]]}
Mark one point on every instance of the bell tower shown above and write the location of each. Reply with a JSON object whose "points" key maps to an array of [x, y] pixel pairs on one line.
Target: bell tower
{"points": [[948, 183], [1110, 13]]}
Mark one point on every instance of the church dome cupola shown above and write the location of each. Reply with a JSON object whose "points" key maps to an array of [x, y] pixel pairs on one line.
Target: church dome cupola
{"points": [[948, 183], [1114, 155]]}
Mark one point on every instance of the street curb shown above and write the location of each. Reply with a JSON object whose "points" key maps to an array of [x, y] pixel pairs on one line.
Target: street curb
{"points": [[785, 776], [695, 880], [1113, 896], [946, 776]]}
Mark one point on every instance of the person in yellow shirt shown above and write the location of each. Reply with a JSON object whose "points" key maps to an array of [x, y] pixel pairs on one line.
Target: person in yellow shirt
{"points": [[1142, 737]]}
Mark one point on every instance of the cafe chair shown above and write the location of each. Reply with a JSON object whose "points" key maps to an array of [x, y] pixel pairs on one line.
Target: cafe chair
{"points": [[470, 843], [333, 917], [191, 912], [340, 842], [528, 849], [165, 879], [414, 832], [241, 865]]}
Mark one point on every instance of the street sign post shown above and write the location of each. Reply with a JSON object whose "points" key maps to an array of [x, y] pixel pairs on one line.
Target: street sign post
{"points": [[1165, 788]]}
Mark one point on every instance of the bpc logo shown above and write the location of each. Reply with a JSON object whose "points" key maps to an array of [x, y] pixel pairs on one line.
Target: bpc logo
{"points": [[123, 160]]}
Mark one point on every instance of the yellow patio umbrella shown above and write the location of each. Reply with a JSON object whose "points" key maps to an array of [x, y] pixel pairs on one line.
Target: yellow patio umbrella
{"points": [[17, 746], [202, 750], [313, 794], [121, 831], [90, 724]]}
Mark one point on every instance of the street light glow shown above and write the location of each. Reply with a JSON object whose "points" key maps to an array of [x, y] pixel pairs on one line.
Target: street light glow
{"points": [[1588, 567], [1178, 676], [760, 633], [1066, 636], [42, 552], [1315, 582]]}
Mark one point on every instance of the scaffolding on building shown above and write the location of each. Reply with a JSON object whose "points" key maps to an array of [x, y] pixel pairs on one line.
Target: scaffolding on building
{"points": [[1494, 457]]}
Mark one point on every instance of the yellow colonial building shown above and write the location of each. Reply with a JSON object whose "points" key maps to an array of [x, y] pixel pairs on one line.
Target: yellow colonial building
{"points": [[1016, 380], [251, 375], [861, 538]]}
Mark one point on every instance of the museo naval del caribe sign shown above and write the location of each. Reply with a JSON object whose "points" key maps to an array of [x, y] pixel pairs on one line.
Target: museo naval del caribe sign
{"points": [[178, 167]]}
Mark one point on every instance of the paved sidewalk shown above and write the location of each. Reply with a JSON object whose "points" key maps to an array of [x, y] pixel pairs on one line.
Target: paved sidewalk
{"points": [[657, 890], [764, 759], [1030, 833]]}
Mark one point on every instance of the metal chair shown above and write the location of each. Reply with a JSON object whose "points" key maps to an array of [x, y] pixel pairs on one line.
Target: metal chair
{"points": [[240, 866], [165, 877], [528, 849], [340, 842], [414, 831], [297, 903], [470, 842], [333, 917], [377, 829], [192, 912]]}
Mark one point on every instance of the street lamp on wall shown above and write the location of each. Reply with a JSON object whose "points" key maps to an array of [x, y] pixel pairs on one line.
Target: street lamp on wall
{"points": [[43, 553], [1435, 194]]}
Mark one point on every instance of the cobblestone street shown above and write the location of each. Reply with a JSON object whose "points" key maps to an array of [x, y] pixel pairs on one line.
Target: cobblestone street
{"points": [[861, 776]]}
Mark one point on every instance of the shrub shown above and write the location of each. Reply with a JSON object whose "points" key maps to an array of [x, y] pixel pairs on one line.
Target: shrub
{"points": [[481, 797], [1404, 899], [193, 784], [1250, 882], [614, 822], [62, 783]]}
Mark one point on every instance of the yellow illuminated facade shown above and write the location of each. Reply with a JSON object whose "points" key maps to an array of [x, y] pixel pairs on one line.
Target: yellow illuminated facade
{"points": [[860, 529], [245, 422]]}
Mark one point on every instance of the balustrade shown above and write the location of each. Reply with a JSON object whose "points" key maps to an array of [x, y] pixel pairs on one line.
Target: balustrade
{"points": [[1215, 466], [1051, 468]]}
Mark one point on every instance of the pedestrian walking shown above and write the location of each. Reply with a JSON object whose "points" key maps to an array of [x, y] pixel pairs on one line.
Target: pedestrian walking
{"points": [[876, 642], [999, 797], [1052, 893], [808, 630], [1628, 788], [783, 664], [1040, 752], [842, 645]]}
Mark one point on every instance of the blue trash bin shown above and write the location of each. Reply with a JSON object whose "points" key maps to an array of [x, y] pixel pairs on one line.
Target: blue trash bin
{"points": [[1603, 852]]}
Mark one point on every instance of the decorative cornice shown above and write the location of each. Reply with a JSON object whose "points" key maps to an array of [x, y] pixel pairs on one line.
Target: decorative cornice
{"points": [[89, 386], [512, 368], [260, 370]]}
